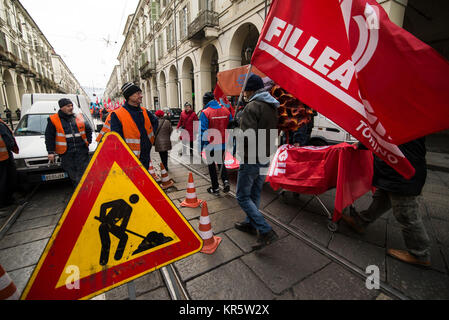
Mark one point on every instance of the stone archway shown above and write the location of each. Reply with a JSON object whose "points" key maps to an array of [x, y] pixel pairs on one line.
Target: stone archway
{"points": [[208, 69], [162, 91], [21, 87], [243, 44], [172, 88], [155, 93], [187, 82], [10, 88], [30, 87]]}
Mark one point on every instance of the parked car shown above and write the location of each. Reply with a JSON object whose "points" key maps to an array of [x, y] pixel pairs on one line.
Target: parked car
{"points": [[32, 161], [326, 132], [175, 115]]}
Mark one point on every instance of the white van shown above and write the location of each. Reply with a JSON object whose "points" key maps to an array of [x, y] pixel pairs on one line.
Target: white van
{"points": [[326, 132], [32, 160]]}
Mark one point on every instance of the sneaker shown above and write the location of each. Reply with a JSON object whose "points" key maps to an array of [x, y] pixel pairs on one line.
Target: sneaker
{"points": [[265, 239], [226, 187], [215, 192], [245, 227]]}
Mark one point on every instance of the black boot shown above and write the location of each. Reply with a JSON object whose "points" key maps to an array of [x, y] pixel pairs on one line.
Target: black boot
{"points": [[265, 239]]}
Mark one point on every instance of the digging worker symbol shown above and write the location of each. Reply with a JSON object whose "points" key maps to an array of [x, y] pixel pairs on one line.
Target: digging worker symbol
{"points": [[120, 210]]}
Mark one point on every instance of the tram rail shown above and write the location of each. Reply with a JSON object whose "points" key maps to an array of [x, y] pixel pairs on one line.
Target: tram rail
{"points": [[383, 287]]}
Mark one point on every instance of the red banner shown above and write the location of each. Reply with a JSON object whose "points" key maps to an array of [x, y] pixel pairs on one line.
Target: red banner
{"points": [[231, 81], [314, 170], [348, 61]]}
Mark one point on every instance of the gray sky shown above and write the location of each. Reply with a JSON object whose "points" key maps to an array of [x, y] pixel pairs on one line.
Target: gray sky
{"points": [[83, 33]]}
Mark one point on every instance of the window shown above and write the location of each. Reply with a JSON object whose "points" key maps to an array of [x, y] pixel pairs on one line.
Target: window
{"points": [[184, 20], [208, 5], [159, 47], [155, 11], [32, 125], [170, 36]]}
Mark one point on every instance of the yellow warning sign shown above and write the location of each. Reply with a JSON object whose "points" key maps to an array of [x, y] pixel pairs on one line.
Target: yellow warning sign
{"points": [[118, 225]]}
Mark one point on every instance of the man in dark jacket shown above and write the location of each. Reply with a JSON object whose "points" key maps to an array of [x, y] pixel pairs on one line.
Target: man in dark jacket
{"points": [[259, 116], [133, 97], [396, 192], [8, 173], [75, 154]]}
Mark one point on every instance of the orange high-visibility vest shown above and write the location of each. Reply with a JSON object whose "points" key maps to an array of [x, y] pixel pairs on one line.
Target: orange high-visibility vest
{"points": [[130, 130], [105, 129], [61, 136], [4, 154]]}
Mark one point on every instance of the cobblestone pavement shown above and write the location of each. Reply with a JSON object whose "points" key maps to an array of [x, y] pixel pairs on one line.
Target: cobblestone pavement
{"points": [[288, 269]]}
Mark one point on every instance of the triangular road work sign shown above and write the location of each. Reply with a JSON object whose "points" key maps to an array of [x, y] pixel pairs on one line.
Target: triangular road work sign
{"points": [[118, 226]]}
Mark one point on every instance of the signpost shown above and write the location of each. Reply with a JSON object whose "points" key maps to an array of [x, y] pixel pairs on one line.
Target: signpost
{"points": [[118, 226]]}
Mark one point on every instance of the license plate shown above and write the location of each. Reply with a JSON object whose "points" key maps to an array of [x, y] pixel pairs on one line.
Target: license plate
{"points": [[54, 176]]}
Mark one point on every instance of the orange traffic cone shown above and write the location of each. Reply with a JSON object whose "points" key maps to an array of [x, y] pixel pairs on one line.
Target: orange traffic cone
{"points": [[153, 173], [191, 200], [210, 242], [8, 290], [166, 182]]}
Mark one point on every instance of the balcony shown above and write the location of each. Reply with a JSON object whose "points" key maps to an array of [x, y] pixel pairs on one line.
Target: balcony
{"points": [[147, 69], [204, 26]]}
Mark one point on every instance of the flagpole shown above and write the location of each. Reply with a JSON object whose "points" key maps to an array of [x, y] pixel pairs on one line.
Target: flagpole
{"points": [[244, 85], [238, 103]]}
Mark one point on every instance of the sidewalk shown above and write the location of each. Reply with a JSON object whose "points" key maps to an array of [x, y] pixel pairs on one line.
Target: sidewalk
{"points": [[437, 161], [289, 269]]}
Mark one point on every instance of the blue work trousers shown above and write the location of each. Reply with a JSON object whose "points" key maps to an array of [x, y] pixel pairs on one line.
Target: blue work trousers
{"points": [[249, 188]]}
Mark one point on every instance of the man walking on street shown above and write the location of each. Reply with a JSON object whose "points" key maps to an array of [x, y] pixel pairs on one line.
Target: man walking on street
{"points": [[135, 124], [69, 135], [214, 119], [396, 192], [8, 173], [259, 114]]}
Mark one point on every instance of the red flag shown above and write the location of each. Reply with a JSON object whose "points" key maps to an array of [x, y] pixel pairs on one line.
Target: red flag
{"points": [[349, 62], [314, 170]]}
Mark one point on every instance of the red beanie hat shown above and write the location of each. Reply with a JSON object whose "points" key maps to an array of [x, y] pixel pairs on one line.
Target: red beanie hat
{"points": [[159, 113]]}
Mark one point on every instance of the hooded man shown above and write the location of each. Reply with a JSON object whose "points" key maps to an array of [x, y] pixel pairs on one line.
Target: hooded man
{"points": [[135, 124], [260, 115], [69, 135]]}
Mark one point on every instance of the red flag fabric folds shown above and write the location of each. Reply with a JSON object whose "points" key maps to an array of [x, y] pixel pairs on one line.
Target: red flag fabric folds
{"points": [[348, 61], [314, 170]]}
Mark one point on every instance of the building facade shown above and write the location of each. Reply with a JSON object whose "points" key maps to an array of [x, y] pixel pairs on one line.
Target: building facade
{"points": [[28, 62], [173, 49]]}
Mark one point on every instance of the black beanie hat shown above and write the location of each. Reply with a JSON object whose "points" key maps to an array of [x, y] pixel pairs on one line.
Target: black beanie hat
{"points": [[63, 102], [208, 96], [128, 89], [254, 83]]}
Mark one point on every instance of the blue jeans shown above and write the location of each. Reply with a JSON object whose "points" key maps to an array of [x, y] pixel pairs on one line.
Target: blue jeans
{"points": [[249, 188]]}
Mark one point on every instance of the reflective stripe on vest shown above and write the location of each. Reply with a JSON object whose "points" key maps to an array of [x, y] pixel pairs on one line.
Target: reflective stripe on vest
{"points": [[61, 137], [105, 129], [130, 130]]}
